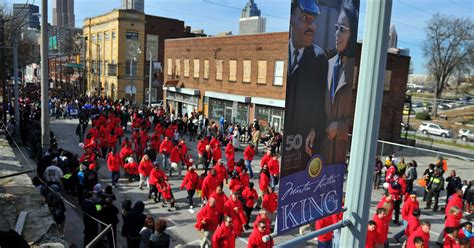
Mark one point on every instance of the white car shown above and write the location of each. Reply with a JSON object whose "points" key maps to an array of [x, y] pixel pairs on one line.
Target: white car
{"points": [[432, 128], [466, 135]]}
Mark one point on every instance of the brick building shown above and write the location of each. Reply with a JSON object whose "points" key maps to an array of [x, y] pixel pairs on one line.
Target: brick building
{"points": [[244, 78]]}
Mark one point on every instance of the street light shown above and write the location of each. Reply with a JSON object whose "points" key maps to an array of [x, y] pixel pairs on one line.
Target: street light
{"points": [[98, 63], [132, 83], [149, 79]]}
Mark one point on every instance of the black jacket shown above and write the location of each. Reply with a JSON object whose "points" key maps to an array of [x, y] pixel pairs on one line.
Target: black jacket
{"points": [[160, 240]]}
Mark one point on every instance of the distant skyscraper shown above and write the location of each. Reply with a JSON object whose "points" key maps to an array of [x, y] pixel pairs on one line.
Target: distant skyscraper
{"points": [[392, 38], [63, 13], [28, 13], [138, 5], [250, 21]]}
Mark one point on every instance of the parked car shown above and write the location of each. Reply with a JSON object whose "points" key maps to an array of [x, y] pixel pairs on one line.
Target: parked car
{"points": [[416, 104], [406, 111], [466, 135], [427, 109], [436, 129], [443, 106]]}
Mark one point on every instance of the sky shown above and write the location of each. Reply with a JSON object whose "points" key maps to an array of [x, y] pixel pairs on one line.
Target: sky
{"points": [[214, 16]]}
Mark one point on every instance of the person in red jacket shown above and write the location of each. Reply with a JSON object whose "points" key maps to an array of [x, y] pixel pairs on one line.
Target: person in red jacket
{"points": [[126, 152], [119, 132], [235, 182], [207, 221], [262, 215], [221, 199], [370, 241], [112, 140], [131, 169], [453, 219], [325, 240], [165, 150], [114, 163], [165, 189], [201, 147], [221, 172], [260, 237], [216, 154], [214, 143], [153, 180], [234, 208], [382, 226], [249, 153], [395, 189], [244, 177], [209, 184], [386, 199], [190, 181], [465, 233], [274, 169], [451, 237], [224, 235], [156, 142], [423, 232], [264, 180], [230, 156], [144, 169], [409, 206], [250, 195], [266, 158], [270, 202], [175, 159], [413, 222], [455, 200]]}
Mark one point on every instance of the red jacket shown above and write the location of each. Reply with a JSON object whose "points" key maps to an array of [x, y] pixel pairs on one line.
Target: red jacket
{"points": [[224, 237], [209, 185], [156, 143], [462, 235], [214, 143], [126, 152], [453, 220], [263, 182], [274, 167], [455, 200], [112, 140], [418, 233], [265, 159], [258, 219], [255, 239], [245, 179], [165, 189], [230, 152], [221, 172], [450, 242], [250, 196], [208, 215], [249, 152], [201, 147], [382, 202], [381, 230], [175, 156], [169, 132], [235, 185], [114, 162], [221, 199], [408, 207], [131, 168], [395, 193], [390, 173], [155, 175], [371, 239], [270, 202], [145, 167], [322, 223], [166, 147], [238, 216], [119, 131], [413, 224], [216, 153], [190, 180]]}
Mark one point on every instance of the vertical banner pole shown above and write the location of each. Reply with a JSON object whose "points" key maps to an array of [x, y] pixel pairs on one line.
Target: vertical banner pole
{"points": [[366, 121], [45, 139]]}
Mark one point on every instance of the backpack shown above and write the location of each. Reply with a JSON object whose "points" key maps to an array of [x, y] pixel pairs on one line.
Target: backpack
{"points": [[395, 185]]}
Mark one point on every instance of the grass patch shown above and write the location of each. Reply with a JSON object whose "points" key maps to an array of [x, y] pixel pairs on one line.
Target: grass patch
{"points": [[449, 143]]}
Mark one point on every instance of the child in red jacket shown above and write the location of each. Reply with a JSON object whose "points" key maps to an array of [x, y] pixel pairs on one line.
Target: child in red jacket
{"points": [[168, 199], [371, 234]]}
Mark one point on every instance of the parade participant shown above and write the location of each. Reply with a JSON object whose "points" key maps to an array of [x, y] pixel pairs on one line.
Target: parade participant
{"points": [[434, 188], [382, 227], [165, 150], [244, 177], [214, 143], [249, 153], [270, 202], [190, 181], [131, 169], [221, 199], [391, 171], [168, 198], [112, 141], [147, 230], [455, 200], [370, 241], [144, 169], [325, 240], [274, 169], [230, 156], [234, 208], [235, 182], [453, 218], [250, 195], [263, 183], [104, 144], [412, 223], [114, 163], [423, 232], [150, 151], [451, 237], [126, 142], [216, 154], [207, 158], [207, 221], [156, 142], [262, 215], [126, 152], [224, 235], [201, 147], [266, 158], [221, 172], [209, 184], [175, 159], [396, 191], [153, 180], [387, 198], [118, 130], [260, 237]]}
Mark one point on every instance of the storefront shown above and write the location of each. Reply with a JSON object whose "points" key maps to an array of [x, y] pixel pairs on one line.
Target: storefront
{"points": [[269, 112], [182, 100], [234, 108]]}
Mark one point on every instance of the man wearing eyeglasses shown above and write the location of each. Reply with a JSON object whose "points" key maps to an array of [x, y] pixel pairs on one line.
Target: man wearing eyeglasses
{"points": [[260, 237], [224, 235], [306, 86]]}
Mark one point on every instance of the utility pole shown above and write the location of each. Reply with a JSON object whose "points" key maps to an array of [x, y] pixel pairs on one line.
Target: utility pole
{"points": [[149, 79], [45, 138], [99, 64], [2, 69], [15, 76], [366, 122]]}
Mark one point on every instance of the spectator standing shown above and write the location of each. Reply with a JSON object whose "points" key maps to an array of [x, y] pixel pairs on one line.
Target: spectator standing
{"points": [[434, 187], [147, 231], [453, 182], [160, 239], [377, 172], [411, 175]]}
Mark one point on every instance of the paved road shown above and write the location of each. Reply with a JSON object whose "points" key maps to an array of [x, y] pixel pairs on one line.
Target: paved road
{"points": [[181, 222]]}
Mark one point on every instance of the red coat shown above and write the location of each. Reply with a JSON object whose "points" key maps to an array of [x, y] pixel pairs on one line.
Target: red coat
{"points": [[145, 167], [184, 148], [190, 180], [450, 242], [250, 196], [214, 143], [169, 133], [235, 185], [371, 239], [255, 239], [455, 200], [126, 152], [408, 207], [114, 162], [175, 156], [453, 220], [263, 182], [265, 159], [221, 172], [396, 193], [156, 143], [418, 233], [209, 185], [165, 189], [155, 175], [112, 140], [119, 131], [382, 202], [216, 153], [249, 152], [462, 235], [245, 179], [381, 230], [258, 219], [390, 173], [131, 168], [224, 237], [238, 216], [270, 202], [201, 147], [274, 167], [413, 224], [166, 147], [221, 199], [322, 223], [208, 215]]}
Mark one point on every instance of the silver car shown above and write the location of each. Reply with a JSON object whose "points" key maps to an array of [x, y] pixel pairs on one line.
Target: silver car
{"points": [[432, 128], [466, 135]]}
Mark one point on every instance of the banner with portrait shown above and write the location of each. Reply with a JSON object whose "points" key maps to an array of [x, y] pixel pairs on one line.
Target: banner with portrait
{"points": [[318, 110]]}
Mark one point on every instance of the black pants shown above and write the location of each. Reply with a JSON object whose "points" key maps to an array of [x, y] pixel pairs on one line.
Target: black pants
{"points": [[429, 199], [396, 208], [410, 185], [153, 190], [206, 167], [190, 196], [377, 177], [248, 212], [112, 239]]}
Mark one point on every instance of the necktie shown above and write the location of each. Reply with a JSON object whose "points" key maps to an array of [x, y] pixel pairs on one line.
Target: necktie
{"points": [[335, 79], [295, 60]]}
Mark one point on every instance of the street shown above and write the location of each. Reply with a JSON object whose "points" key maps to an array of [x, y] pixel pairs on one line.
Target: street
{"points": [[181, 222]]}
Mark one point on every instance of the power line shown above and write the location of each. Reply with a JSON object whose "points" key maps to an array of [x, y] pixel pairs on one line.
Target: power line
{"points": [[414, 7], [232, 7]]}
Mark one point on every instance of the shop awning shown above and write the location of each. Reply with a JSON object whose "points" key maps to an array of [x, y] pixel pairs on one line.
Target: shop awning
{"points": [[171, 83], [228, 97], [268, 102]]}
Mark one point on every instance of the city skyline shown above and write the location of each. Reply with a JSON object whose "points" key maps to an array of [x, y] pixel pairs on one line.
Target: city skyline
{"points": [[408, 17]]}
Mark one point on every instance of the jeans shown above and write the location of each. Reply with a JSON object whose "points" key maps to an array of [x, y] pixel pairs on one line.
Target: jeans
{"points": [[248, 165], [327, 244], [336, 238], [377, 177], [115, 175], [143, 180], [274, 181], [166, 161]]}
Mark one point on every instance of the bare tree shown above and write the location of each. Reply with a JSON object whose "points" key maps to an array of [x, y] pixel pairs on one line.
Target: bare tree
{"points": [[449, 45]]}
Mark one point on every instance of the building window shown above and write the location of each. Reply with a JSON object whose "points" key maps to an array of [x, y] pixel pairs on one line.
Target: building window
{"points": [[177, 67], [196, 68], [232, 70], [93, 38], [114, 35], [186, 67], [99, 37], [107, 36], [247, 73], [206, 69], [279, 65], [262, 72], [219, 66], [134, 65], [170, 67]]}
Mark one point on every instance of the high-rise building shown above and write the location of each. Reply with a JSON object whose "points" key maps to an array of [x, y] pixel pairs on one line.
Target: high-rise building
{"points": [[28, 13], [250, 21], [392, 38], [63, 13], [138, 5]]}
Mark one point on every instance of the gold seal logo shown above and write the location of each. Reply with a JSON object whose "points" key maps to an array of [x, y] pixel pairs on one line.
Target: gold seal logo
{"points": [[315, 167]]}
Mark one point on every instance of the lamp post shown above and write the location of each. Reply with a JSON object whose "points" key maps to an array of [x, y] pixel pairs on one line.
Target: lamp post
{"points": [[149, 79], [132, 83], [45, 139], [98, 64]]}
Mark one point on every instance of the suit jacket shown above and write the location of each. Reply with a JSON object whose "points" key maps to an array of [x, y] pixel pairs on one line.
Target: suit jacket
{"points": [[305, 90], [339, 110]]}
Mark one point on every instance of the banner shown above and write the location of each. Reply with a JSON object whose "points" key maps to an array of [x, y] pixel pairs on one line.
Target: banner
{"points": [[318, 110]]}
